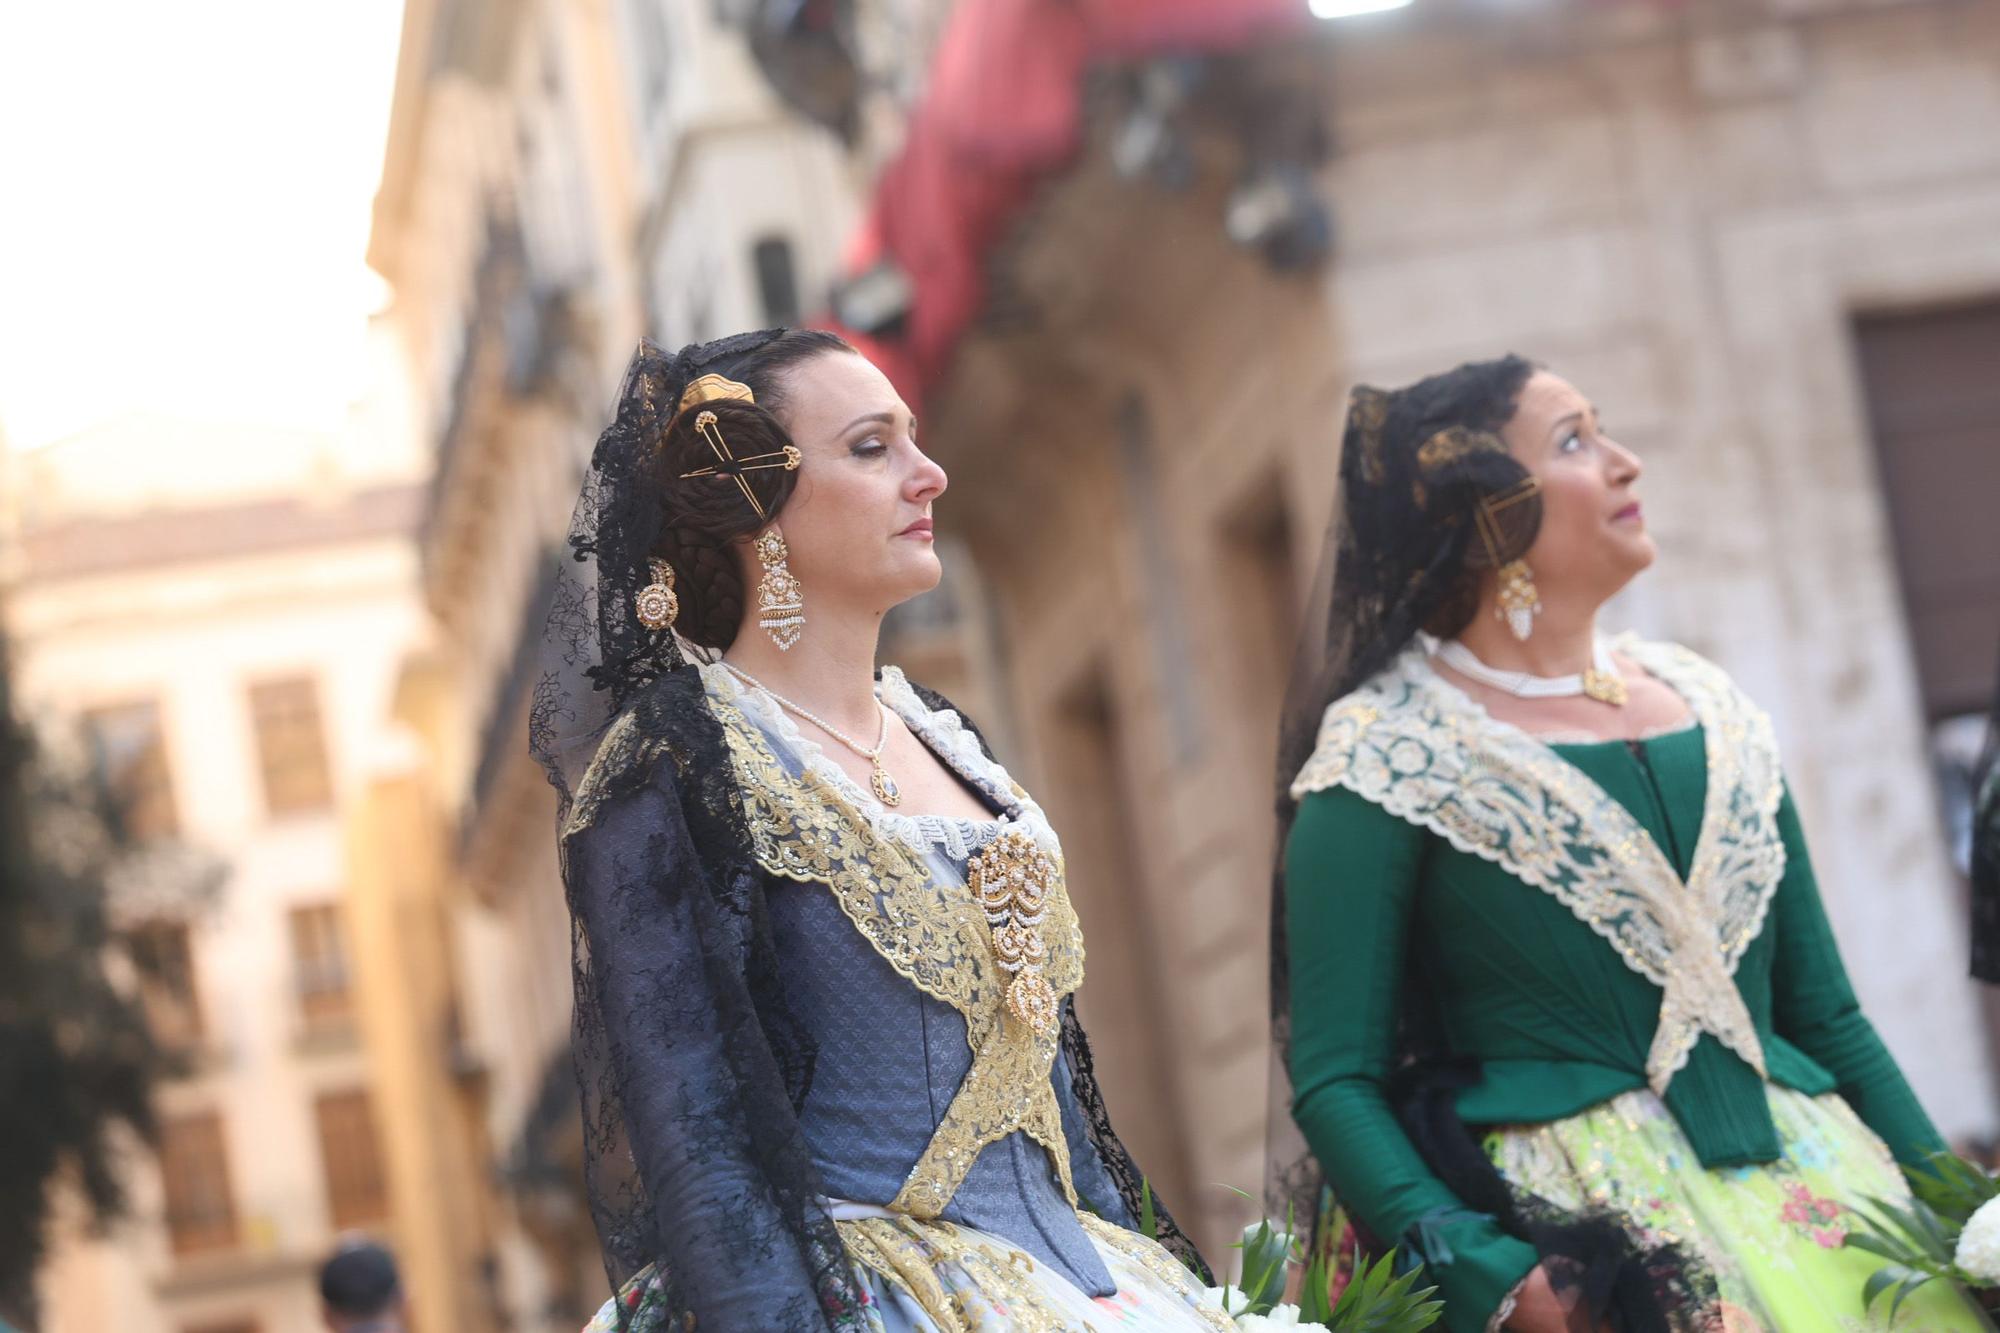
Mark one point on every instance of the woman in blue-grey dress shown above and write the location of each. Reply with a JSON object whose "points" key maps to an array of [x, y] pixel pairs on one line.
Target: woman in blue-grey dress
{"points": [[824, 950]]}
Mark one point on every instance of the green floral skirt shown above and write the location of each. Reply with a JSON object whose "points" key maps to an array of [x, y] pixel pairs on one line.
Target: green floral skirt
{"points": [[1770, 1234]]}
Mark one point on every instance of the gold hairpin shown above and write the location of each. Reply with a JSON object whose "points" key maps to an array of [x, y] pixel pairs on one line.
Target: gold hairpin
{"points": [[728, 465], [1489, 527]]}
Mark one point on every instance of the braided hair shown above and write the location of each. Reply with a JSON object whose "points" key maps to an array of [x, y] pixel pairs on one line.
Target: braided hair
{"points": [[703, 518]]}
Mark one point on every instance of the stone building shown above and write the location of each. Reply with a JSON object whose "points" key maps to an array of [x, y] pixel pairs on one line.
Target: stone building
{"points": [[216, 614]]}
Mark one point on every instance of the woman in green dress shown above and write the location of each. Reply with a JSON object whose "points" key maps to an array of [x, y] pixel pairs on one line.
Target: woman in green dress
{"points": [[1561, 1009]]}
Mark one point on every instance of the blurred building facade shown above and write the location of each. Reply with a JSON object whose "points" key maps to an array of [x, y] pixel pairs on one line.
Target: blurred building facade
{"points": [[219, 628], [560, 178], [1757, 234]]}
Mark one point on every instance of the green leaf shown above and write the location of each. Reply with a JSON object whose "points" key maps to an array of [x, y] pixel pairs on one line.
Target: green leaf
{"points": [[1149, 1222], [1878, 1282], [1378, 1300], [1922, 1225], [1900, 1225], [1903, 1291], [1874, 1244], [1952, 1187], [1314, 1307]]}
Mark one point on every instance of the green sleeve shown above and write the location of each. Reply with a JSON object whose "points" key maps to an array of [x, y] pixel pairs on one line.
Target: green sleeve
{"points": [[1350, 879], [1813, 1007]]}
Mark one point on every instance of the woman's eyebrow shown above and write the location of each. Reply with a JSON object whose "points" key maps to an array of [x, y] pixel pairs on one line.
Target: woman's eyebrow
{"points": [[1566, 419], [886, 418]]}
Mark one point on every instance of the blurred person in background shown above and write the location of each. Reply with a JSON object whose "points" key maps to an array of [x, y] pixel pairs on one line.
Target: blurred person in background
{"points": [[1986, 854], [360, 1292], [824, 954], [1562, 1010]]}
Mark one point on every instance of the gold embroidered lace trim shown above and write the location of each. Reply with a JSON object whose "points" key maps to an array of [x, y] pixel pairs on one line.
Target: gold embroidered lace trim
{"points": [[1420, 748], [907, 1254], [802, 829], [623, 748], [1159, 1263]]}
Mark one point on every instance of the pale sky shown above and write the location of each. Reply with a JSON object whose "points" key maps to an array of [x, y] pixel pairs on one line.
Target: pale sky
{"points": [[184, 205]]}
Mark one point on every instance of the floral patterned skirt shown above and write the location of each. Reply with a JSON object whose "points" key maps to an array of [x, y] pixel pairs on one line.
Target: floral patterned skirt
{"points": [[1770, 1234], [938, 1277]]}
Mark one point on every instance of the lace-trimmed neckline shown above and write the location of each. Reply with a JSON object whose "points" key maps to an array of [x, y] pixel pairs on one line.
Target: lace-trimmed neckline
{"points": [[942, 732]]}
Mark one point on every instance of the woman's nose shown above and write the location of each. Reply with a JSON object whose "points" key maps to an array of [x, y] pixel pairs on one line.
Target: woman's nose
{"points": [[1625, 465], [929, 480]]}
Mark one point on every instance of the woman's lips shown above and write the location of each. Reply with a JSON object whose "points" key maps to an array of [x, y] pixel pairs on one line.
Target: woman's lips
{"points": [[920, 528], [1630, 513]]}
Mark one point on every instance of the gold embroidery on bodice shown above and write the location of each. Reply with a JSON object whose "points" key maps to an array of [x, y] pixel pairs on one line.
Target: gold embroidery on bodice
{"points": [[936, 937]]}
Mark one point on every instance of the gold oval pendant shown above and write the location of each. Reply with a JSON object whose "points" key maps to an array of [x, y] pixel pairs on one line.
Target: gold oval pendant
{"points": [[885, 788]]}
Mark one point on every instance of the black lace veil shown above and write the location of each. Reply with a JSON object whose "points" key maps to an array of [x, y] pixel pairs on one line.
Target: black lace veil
{"points": [[596, 656], [681, 1022], [679, 1018], [1400, 556]]}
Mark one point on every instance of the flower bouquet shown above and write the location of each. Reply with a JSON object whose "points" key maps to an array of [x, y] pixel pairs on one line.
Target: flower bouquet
{"points": [[1371, 1297], [1950, 1229]]}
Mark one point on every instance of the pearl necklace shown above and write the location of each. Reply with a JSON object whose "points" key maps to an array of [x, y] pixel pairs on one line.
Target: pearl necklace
{"points": [[1601, 682], [879, 781]]}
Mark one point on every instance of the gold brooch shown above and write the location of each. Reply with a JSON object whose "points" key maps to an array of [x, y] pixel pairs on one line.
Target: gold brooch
{"points": [[1607, 687], [1012, 879]]}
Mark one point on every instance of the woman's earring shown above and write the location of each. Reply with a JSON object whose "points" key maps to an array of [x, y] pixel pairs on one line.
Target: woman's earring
{"points": [[1520, 600], [658, 604], [782, 609]]}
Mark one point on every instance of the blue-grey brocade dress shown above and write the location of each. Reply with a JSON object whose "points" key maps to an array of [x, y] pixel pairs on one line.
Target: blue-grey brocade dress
{"points": [[1009, 1249]]}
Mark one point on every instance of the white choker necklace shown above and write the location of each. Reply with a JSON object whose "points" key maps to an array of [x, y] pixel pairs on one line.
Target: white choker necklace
{"points": [[1601, 682]]}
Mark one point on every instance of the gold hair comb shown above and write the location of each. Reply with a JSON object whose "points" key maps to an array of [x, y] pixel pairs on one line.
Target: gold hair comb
{"points": [[710, 387]]}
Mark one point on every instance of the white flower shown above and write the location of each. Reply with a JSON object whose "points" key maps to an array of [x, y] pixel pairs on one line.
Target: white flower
{"points": [[1281, 1316], [1230, 1300], [1979, 1243]]}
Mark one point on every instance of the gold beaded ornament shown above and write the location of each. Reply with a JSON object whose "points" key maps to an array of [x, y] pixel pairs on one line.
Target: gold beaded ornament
{"points": [[658, 604], [1011, 879]]}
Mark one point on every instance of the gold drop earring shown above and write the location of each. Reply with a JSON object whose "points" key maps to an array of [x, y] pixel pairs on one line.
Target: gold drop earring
{"points": [[780, 605], [1519, 600]]}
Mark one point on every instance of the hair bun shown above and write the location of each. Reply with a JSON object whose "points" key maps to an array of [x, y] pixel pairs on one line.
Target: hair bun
{"points": [[704, 518]]}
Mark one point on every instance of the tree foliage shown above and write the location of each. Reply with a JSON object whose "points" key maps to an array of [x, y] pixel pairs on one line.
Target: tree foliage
{"points": [[77, 1061]]}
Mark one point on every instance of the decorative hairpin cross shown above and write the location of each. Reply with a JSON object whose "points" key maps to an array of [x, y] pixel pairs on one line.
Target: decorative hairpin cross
{"points": [[727, 464], [1487, 513]]}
